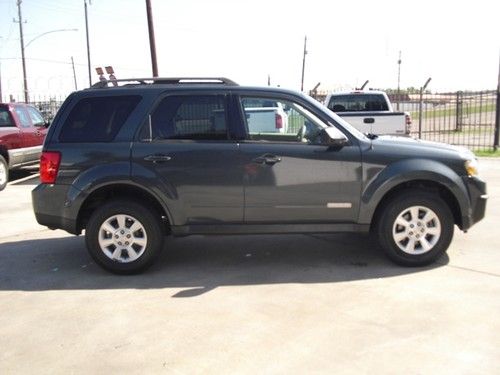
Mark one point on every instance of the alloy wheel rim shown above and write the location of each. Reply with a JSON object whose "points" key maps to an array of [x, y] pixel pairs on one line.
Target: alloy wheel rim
{"points": [[416, 230], [122, 238]]}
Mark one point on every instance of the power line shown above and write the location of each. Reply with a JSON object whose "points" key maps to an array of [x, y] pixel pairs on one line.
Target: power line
{"points": [[43, 60]]}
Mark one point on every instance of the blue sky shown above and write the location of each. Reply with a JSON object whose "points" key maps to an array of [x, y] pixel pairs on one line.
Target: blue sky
{"points": [[455, 43]]}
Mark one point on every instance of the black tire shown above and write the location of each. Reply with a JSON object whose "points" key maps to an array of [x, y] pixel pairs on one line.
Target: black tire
{"points": [[133, 215], [4, 173], [422, 245]]}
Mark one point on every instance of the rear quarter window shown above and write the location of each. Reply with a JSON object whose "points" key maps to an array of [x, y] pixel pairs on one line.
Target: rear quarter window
{"points": [[97, 119]]}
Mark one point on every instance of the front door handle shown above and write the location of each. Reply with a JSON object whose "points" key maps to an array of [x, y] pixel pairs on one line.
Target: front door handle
{"points": [[369, 120], [268, 159], [158, 158]]}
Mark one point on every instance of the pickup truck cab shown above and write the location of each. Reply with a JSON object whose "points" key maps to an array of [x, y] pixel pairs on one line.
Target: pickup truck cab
{"points": [[369, 112], [22, 132], [153, 157]]}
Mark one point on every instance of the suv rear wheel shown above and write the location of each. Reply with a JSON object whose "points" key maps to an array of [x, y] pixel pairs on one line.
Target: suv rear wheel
{"points": [[415, 228], [124, 237]]}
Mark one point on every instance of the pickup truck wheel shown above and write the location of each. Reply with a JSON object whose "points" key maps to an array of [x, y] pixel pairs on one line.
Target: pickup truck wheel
{"points": [[124, 237], [415, 228], [4, 173]]}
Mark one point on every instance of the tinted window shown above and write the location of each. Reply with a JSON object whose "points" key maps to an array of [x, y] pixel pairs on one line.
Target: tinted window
{"points": [[358, 102], [97, 119], [23, 116], [5, 118], [190, 117]]}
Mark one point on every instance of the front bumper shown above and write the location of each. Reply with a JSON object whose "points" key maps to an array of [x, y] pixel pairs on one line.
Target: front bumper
{"points": [[478, 197]]}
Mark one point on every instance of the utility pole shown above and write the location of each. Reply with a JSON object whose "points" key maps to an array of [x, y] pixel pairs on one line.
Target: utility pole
{"points": [[74, 74], [88, 43], [422, 89], [25, 79], [303, 64], [399, 79], [152, 44], [497, 117], [1, 96]]}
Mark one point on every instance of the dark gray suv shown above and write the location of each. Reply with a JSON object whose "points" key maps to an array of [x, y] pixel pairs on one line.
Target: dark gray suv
{"points": [[169, 156]]}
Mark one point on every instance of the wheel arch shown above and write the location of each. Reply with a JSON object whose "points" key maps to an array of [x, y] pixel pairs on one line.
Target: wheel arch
{"points": [[120, 191], [428, 175], [5, 154], [424, 185]]}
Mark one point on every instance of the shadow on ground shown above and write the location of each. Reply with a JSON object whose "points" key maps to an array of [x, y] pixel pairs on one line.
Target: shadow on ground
{"points": [[199, 264], [24, 173]]}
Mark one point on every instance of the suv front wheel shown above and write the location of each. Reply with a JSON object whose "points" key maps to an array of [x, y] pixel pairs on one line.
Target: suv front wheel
{"points": [[415, 228], [124, 237]]}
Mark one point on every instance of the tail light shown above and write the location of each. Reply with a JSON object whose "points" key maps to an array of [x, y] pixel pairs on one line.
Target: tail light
{"points": [[49, 166], [279, 121]]}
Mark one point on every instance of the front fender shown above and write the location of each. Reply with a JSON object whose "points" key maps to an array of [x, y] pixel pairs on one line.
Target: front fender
{"points": [[408, 170]]}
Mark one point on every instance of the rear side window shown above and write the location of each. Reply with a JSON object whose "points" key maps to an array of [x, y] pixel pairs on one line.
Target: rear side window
{"points": [[357, 103], [5, 118], [97, 119], [190, 117]]}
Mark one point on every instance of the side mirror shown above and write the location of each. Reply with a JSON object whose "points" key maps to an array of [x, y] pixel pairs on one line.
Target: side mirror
{"points": [[46, 123], [333, 137]]}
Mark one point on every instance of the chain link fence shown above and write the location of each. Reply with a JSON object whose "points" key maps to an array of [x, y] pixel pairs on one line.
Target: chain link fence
{"points": [[47, 105], [464, 118]]}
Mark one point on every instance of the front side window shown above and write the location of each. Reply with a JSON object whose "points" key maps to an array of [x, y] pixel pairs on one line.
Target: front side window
{"points": [[97, 119], [280, 121], [5, 118], [191, 117]]}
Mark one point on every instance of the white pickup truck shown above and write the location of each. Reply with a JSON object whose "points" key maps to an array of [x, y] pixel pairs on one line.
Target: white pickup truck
{"points": [[369, 112], [265, 116]]}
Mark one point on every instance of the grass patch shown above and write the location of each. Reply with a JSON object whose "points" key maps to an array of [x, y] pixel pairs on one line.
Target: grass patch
{"points": [[488, 153], [467, 110]]}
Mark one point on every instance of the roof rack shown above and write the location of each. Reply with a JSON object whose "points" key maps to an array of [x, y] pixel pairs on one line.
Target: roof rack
{"points": [[167, 80]]}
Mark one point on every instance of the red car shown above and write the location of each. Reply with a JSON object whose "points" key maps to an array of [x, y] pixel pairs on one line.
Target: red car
{"points": [[22, 132]]}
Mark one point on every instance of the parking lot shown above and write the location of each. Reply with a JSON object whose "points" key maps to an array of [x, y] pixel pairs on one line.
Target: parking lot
{"points": [[248, 304]]}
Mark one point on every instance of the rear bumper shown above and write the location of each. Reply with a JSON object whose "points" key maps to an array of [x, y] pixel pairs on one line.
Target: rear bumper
{"points": [[52, 207], [478, 197]]}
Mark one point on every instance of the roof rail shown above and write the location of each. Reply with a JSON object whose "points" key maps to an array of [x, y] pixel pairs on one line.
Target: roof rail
{"points": [[167, 80]]}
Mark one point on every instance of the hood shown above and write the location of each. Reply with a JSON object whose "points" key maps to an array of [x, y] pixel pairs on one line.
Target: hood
{"points": [[411, 142], [418, 146]]}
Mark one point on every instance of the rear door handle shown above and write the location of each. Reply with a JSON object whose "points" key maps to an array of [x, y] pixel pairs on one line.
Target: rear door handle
{"points": [[369, 120], [268, 159], [158, 158]]}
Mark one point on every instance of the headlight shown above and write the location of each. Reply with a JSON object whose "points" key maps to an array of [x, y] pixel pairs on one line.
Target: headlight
{"points": [[472, 167]]}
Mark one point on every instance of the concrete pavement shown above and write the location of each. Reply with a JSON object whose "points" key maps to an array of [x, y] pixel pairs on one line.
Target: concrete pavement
{"points": [[248, 304]]}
